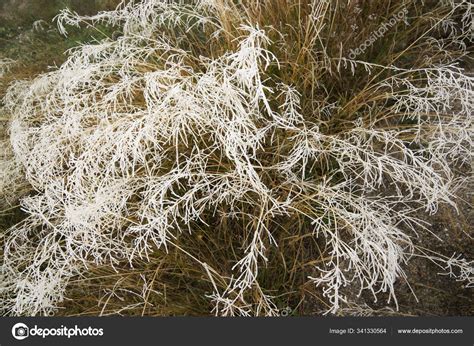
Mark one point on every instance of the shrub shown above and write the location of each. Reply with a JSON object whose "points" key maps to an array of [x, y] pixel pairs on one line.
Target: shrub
{"points": [[243, 124]]}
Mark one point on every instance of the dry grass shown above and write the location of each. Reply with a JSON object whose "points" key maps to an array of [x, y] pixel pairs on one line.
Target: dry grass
{"points": [[231, 158]]}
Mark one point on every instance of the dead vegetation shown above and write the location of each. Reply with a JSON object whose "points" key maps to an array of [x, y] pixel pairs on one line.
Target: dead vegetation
{"points": [[230, 158]]}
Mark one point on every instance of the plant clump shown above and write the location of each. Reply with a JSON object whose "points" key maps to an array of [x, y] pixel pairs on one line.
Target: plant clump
{"points": [[244, 124]]}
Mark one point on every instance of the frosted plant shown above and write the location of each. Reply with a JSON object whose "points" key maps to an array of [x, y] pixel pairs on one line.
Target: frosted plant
{"points": [[465, 268], [40, 25], [456, 266], [364, 310], [135, 141], [12, 181], [5, 66]]}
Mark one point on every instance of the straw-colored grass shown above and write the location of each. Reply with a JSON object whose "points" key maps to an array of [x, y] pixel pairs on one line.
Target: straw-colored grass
{"points": [[232, 158]]}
